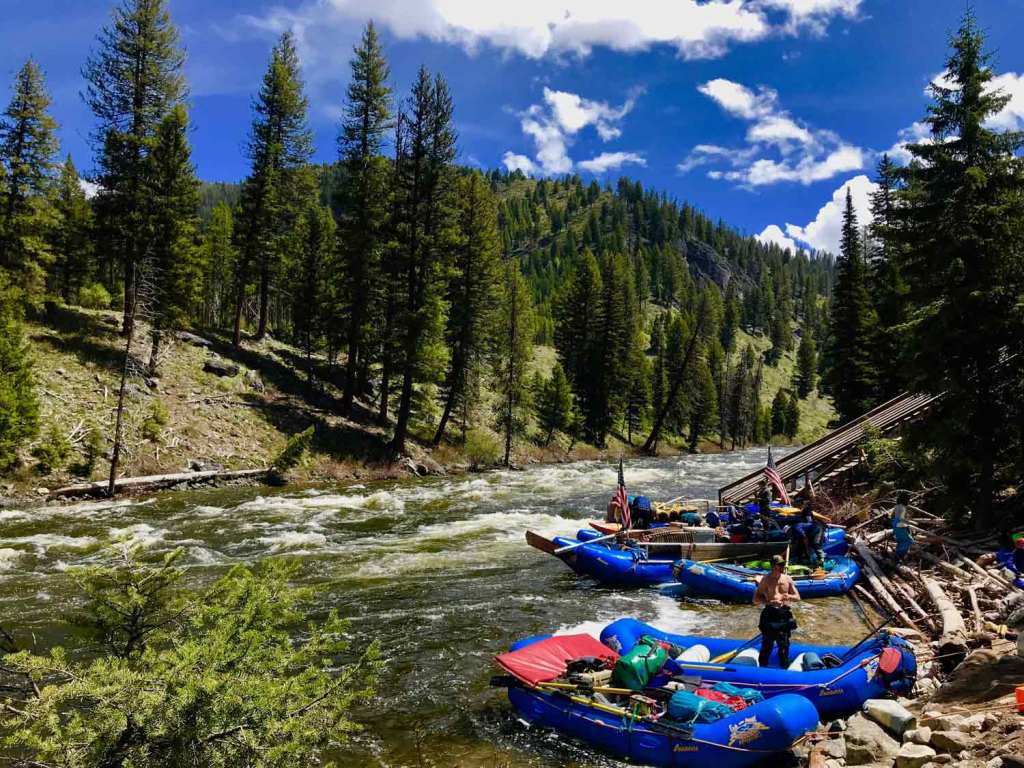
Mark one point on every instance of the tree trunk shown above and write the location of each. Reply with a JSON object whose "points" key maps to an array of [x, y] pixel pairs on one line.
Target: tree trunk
{"points": [[877, 580], [953, 642], [352, 362], [261, 329], [115, 456], [128, 321], [236, 339], [154, 352]]}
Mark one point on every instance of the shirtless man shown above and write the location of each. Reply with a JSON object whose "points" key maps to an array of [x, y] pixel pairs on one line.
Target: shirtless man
{"points": [[775, 592]]}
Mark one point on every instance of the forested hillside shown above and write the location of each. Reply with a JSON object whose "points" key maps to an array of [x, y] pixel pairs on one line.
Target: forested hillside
{"points": [[415, 292]]}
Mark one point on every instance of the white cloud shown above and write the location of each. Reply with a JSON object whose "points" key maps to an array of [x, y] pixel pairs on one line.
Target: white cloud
{"points": [[610, 161], [803, 154], [917, 133], [1011, 117], [536, 28], [554, 125], [773, 234], [89, 188], [514, 162], [823, 233]]}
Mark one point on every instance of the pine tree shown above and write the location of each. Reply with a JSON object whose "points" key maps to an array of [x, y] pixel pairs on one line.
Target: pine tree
{"points": [[363, 201], [172, 267], [637, 399], [309, 283], [134, 79], [853, 377], [780, 403], [960, 253], [704, 409], [515, 351], [274, 195], [614, 334], [27, 149], [731, 320], [792, 421], [806, 364], [71, 239], [218, 258], [425, 232], [473, 289], [575, 310], [554, 404], [19, 409]]}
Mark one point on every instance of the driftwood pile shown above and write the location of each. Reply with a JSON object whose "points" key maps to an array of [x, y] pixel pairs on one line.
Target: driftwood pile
{"points": [[948, 589]]}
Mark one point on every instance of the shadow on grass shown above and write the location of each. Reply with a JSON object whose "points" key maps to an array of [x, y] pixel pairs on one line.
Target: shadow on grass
{"points": [[85, 335]]}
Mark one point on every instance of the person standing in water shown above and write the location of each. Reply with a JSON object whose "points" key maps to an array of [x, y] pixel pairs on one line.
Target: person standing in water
{"points": [[775, 592], [901, 525]]}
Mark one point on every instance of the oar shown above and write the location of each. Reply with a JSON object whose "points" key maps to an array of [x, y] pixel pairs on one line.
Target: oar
{"points": [[868, 636], [566, 548], [730, 654]]}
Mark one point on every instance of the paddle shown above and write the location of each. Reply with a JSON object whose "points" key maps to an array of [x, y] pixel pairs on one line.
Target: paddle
{"points": [[568, 547], [730, 654], [868, 636]]}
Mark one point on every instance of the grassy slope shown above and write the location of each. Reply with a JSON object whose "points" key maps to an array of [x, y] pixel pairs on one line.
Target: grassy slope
{"points": [[816, 411]]}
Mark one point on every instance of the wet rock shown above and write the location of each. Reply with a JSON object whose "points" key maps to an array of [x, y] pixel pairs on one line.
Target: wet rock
{"points": [[952, 742], [920, 735], [220, 367], [867, 743], [196, 341], [914, 756]]}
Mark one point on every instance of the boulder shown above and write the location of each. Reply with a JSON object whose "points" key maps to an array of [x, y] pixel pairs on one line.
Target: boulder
{"points": [[867, 743], [834, 748], [195, 341], [920, 735], [220, 367], [253, 381], [891, 715], [952, 742], [914, 756]]}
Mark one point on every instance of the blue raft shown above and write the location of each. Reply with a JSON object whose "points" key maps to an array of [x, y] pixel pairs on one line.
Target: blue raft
{"points": [[737, 584], [747, 737], [836, 692]]}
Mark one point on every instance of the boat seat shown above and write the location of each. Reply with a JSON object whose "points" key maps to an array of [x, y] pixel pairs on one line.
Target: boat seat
{"points": [[747, 658], [696, 653]]}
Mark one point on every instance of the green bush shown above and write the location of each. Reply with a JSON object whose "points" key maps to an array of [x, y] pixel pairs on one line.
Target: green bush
{"points": [[19, 409], [291, 454], [92, 449], [153, 425], [94, 296], [53, 451], [483, 447], [884, 456]]}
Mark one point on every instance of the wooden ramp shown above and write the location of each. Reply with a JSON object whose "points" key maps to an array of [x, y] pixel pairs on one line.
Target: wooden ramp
{"points": [[833, 452]]}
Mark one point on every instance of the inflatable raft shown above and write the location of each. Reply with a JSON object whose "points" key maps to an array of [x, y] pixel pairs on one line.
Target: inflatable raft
{"points": [[737, 583], [639, 727], [638, 565], [836, 691]]}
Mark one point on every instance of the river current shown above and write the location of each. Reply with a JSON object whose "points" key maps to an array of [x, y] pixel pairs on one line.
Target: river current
{"points": [[437, 569]]}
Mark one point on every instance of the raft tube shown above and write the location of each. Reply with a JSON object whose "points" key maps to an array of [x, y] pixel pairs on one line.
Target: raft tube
{"points": [[737, 584], [749, 737], [614, 567], [836, 693]]}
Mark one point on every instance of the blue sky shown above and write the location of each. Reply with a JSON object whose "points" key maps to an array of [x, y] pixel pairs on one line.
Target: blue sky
{"points": [[761, 112]]}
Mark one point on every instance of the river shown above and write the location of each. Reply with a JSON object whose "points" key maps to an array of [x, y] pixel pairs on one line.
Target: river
{"points": [[437, 569]]}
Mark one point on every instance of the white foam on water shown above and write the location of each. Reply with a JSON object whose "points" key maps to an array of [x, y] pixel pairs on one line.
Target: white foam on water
{"points": [[9, 558], [509, 525], [43, 542], [139, 535], [12, 514], [204, 556], [292, 540]]}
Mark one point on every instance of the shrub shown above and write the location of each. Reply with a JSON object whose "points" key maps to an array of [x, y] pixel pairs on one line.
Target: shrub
{"points": [[483, 447], [53, 451], [19, 409], [92, 449], [94, 296], [153, 425], [291, 454]]}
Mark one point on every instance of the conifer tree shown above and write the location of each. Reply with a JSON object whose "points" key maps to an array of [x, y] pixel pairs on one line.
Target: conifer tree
{"points": [[363, 202], [19, 408], [792, 421], [806, 365], [614, 335], [515, 351], [424, 208], [27, 149], [218, 258], [704, 407], [71, 237], [960, 252], [172, 266], [134, 78], [309, 283], [575, 310], [780, 403], [274, 195], [554, 404], [853, 377], [637, 398], [473, 289], [731, 319]]}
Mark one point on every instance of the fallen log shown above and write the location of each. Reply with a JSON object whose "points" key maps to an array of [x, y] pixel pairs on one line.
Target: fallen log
{"points": [[953, 641], [978, 618], [154, 482], [912, 601], [877, 581], [982, 572]]}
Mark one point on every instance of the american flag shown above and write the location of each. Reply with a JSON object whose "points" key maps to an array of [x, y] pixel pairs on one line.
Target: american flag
{"points": [[775, 478], [622, 500]]}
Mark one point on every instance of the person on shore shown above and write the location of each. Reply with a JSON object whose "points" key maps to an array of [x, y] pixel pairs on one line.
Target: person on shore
{"points": [[775, 592], [901, 525]]}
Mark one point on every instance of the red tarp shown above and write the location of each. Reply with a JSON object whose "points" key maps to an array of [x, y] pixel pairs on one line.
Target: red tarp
{"points": [[546, 659]]}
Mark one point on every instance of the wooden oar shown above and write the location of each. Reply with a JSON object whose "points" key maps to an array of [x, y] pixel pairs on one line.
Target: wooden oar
{"points": [[730, 654]]}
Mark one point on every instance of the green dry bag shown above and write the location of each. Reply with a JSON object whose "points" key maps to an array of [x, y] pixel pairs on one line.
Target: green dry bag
{"points": [[635, 669]]}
